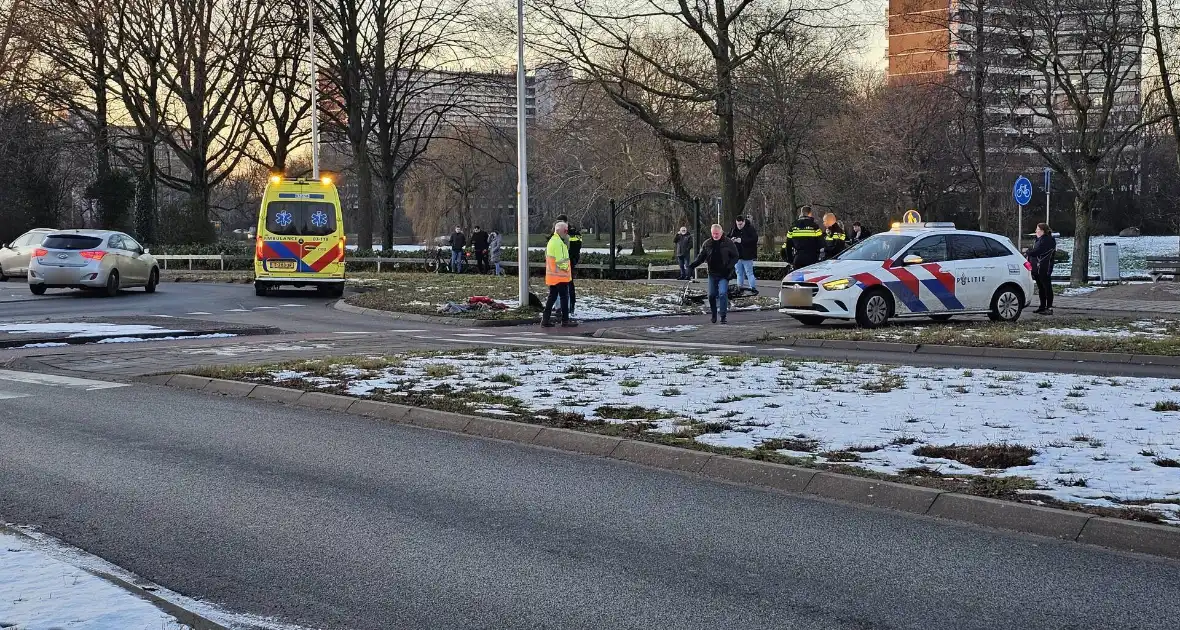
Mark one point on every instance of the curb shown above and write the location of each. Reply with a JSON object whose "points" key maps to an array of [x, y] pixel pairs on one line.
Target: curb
{"points": [[1118, 534], [1072, 356], [185, 616], [494, 323], [340, 305]]}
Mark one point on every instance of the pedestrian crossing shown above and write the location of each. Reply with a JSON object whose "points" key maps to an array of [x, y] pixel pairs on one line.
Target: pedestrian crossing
{"points": [[14, 384]]}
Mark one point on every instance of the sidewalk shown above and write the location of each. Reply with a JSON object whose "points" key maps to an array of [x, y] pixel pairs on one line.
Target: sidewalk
{"points": [[1141, 307]]}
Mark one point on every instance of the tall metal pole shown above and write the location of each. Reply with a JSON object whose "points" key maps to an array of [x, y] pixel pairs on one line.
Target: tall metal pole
{"points": [[315, 114], [522, 163]]}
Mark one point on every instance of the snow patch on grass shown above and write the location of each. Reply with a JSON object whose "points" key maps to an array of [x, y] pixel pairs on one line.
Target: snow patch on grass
{"points": [[805, 408]]}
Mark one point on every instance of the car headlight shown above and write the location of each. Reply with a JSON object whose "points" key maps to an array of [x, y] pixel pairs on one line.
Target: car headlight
{"points": [[837, 285]]}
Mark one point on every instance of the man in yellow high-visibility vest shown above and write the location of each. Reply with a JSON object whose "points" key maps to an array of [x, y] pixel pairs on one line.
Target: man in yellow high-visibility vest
{"points": [[558, 275]]}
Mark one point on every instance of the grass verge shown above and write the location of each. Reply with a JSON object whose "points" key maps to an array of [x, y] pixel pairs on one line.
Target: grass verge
{"points": [[1078, 334], [637, 422]]}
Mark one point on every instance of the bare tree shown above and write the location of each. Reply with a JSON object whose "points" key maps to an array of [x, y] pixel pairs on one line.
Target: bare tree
{"points": [[277, 98], [1164, 25], [17, 35], [1082, 108], [182, 73], [693, 53]]}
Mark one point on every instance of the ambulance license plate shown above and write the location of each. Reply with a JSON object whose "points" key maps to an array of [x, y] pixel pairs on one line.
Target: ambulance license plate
{"points": [[281, 265]]}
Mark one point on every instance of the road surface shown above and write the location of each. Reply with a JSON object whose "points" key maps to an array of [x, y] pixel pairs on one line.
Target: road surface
{"points": [[333, 521]]}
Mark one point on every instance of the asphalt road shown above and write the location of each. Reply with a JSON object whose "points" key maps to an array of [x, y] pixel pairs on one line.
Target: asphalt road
{"points": [[339, 522], [293, 310]]}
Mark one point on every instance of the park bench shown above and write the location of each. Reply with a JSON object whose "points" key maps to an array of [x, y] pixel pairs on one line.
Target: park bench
{"points": [[1159, 266]]}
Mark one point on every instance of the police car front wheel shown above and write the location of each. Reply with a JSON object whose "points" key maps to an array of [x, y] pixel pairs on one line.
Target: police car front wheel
{"points": [[1006, 304], [873, 309]]}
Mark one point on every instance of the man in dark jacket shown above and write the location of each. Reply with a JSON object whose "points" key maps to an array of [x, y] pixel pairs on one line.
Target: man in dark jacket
{"points": [[858, 233], [683, 243], [745, 237], [479, 242], [458, 242], [1040, 256], [575, 236], [835, 240], [805, 241], [721, 255]]}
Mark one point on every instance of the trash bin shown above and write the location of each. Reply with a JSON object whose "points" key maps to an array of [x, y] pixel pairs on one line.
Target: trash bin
{"points": [[1108, 262]]}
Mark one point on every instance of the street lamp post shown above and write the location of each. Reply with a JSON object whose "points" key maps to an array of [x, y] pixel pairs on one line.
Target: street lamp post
{"points": [[522, 174], [315, 118]]}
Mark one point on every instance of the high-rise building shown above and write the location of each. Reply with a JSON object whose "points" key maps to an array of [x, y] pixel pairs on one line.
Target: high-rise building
{"points": [[934, 41]]}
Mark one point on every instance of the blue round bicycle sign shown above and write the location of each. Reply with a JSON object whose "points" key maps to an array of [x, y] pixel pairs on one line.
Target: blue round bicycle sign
{"points": [[1022, 191]]}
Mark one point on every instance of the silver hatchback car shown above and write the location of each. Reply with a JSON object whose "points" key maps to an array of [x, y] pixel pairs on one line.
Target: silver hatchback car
{"points": [[92, 259]]}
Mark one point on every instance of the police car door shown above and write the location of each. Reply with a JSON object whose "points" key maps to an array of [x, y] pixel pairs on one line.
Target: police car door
{"points": [[927, 286], [974, 269]]}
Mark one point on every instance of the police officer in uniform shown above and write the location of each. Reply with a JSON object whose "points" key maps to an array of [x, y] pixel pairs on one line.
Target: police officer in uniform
{"points": [[575, 245], [805, 241]]}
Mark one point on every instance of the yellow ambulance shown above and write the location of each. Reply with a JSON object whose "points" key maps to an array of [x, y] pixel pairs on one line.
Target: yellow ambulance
{"points": [[300, 240]]}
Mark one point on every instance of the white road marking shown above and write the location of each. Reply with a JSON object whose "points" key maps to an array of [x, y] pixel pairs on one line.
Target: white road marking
{"points": [[408, 330], [60, 381], [166, 316], [473, 335], [237, 310], [198, 313], [266, 308], [345, 332], [10, 395], [292, 305]]}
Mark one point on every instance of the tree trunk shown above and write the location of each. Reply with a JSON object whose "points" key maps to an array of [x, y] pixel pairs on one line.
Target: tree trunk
{"points": [[145, 196], [637, 233], [1080, 269], [364, 202], [979, 105], [1165, 75]]}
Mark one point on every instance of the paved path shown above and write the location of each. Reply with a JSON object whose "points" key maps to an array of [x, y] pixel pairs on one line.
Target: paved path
{"points": [[1138, 307], [334, 521]]}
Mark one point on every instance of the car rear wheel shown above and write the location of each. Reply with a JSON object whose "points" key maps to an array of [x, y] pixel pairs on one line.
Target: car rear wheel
{"points": [[809, 320], [112, 288], [153, 280], [873, 309], [260, 289], [1006, 304], [37, 289]]}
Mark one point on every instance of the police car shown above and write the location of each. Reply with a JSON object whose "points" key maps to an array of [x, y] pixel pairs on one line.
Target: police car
{"points": [[930, 270]]}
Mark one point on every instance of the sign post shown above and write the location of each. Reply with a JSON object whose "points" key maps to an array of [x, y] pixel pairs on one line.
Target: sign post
{"points": [[1022, 193]]}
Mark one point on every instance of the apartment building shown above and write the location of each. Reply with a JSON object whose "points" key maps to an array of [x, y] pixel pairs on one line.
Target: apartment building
{"points": [[933, 41]]}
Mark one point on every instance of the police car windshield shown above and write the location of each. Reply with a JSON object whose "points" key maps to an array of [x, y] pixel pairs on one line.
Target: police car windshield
{"points": [[879, 247], [300, 218]]}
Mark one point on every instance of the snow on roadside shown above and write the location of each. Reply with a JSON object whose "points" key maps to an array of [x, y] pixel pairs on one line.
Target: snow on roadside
{"points": [[39, 591], [84, 329], [1080, 291], [1098, 440], [52, 344], [672, 329], [138, 339], [46, 584], [593, 307]]}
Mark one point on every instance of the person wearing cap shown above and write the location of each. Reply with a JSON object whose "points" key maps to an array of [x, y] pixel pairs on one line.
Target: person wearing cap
{"points": [[745, 237], [575, 243]]}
